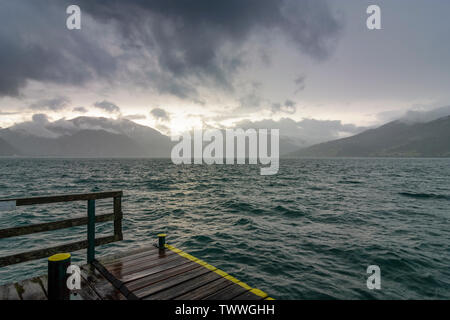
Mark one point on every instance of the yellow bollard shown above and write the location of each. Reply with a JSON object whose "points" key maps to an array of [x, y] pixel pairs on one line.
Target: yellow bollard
{"points": [[162, 241], [57, 276]]}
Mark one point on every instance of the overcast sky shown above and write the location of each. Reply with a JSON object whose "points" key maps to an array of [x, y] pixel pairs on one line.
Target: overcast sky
{"points": [[174, 65]]}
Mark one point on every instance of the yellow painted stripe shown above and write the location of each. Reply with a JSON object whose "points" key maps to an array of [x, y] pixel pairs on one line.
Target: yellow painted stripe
{"points": [[221, 273], [206, 265], [172, 248], [259, 293]]}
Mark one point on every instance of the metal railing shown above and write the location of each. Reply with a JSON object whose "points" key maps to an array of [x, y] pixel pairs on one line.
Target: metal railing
{"points": [[90, 243]]}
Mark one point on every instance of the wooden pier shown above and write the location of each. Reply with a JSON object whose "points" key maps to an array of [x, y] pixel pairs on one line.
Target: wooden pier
{"points": [[151, 273]]}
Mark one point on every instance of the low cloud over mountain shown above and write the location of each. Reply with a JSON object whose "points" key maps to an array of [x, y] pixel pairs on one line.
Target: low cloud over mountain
{"points": [[305, 132]]}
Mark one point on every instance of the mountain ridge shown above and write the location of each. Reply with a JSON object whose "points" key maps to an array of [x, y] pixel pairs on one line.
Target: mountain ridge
{"points": [[394, 139], [87, 137], [123, 138], [41, 138]]}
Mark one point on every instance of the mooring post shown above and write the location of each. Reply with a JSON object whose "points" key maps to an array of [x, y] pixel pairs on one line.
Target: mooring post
{"points": [[91, 231], [57, 277], [162, 241]]}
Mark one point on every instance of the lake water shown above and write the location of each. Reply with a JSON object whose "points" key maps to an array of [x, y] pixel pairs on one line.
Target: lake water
{"points": [[309, 232]]}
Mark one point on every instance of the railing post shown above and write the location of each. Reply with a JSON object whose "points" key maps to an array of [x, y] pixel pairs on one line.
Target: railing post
{"points": [[91, 231], [118, 218]]}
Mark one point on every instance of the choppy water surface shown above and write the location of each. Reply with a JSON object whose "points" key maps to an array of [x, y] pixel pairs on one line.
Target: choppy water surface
{"points": [[309, 232]]}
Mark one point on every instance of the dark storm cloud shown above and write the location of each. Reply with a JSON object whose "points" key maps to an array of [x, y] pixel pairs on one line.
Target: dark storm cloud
{"points": [[55, 104], [191, 42], [160, 114], [107, 106], [187, 36], [35, 45]]}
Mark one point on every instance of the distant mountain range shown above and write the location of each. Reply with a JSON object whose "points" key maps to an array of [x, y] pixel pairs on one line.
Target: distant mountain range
{"points": [[102, 137], [86, 137], [394, 139], [94, 137]]}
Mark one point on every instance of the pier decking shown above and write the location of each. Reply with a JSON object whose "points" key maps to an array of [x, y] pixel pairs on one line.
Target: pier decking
{"points": [[147, 274], [160, 272]]}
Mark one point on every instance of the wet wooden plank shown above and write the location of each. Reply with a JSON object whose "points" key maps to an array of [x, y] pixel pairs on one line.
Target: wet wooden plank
{"points": [[136, 256], [107, 291], [248, 296], [185, 287], [144, 253], [148, 275], [147, 265], [44, 282], [9, 292], [160, 274], [206, 290], [102, 287], [170, 282], [227, 293], [31, 289], [141, 264], [105, 260], [87, 292], [162, 271]]}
